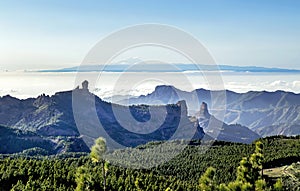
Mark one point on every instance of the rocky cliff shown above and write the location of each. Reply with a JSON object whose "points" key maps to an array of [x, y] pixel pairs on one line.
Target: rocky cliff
{"points": [[222, 131], [267, 113], [48, 123]]}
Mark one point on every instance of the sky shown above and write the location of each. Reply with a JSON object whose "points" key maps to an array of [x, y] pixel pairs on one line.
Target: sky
{"points": [[51, 34]]}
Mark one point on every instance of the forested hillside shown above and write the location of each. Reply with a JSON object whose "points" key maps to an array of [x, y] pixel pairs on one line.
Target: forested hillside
{"points": [[182, 173]]}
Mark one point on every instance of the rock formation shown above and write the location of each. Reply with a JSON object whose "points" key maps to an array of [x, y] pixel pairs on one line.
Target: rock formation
{"points": [[204, 114], [219, 130], [183, 107], [51, 118], [85, 85], [267, 113]]}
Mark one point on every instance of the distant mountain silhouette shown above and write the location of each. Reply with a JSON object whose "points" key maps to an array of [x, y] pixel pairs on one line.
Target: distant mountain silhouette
{"points": [[267, 113], [174, 67]]}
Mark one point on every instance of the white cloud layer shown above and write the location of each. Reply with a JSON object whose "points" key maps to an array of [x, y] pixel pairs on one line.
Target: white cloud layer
{"points": [[25, 84]]}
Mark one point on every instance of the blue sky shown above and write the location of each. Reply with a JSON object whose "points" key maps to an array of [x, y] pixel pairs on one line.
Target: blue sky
{"points": [[38, 34]]}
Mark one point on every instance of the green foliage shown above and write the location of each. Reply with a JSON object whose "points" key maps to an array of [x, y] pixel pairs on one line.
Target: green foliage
{"points": [[244, 171], [138, 184], [98, 150], [278, 186], [240, 186], [206, 182], [291, 177], [256, 161], [248, 175], [83, 179], [181, 173], [260, 185]]}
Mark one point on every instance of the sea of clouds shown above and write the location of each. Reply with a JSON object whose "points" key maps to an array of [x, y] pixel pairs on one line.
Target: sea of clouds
{"points": [[32, 84]]}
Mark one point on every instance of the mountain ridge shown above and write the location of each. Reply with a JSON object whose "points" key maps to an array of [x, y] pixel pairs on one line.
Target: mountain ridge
{"points": [[51, 119], [174, 67], [255, 109]]}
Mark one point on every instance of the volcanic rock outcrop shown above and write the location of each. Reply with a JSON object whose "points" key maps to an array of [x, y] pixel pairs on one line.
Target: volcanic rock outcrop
{"points": [[50, 119], [222, 131]]}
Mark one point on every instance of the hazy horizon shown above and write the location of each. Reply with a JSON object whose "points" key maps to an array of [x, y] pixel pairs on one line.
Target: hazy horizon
{"points": [[37, 83]]}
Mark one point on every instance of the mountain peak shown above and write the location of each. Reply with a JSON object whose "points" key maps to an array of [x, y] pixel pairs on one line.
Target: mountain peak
{"points": [[42, 99], [204, 111], [183, 107], [164, 88], [85, 85]]}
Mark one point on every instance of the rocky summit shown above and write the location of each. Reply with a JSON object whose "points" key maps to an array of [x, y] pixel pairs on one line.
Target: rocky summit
{"points": [[46, 124], [70, 121], [222, 131], [266, 113]]}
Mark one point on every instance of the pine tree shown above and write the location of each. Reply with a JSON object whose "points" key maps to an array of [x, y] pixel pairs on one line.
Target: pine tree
{"points": [[206, 181], [278, 186], [138, 184], [260, 185], [256, 160], [97, 155], [82, 179], [244, 171]]}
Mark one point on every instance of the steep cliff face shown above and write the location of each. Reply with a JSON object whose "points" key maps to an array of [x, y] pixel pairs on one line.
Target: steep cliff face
{"points": [[203, 113], [222, 131], [51, 119], [138, 124], [44, 115], [267, 113], [276, 112], [13, 109]]}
